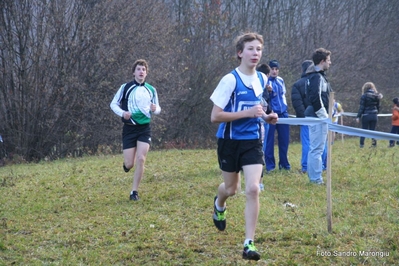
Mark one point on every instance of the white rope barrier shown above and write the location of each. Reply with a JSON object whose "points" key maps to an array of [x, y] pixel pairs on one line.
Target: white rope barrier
{"points": [[350, 114], [339, 128], [355, 114]]}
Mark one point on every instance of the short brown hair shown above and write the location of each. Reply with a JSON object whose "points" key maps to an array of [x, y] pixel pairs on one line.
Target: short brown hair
{"points": [[319, 55], [140, 62], [244, 38], [264, 68]]}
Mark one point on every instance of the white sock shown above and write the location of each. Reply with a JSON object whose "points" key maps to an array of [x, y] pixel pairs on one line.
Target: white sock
{"points": [[246, 242], [218, 207]]}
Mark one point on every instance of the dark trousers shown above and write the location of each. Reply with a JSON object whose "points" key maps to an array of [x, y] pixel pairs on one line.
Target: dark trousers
{"points": [[394, 130], [283, 131], [369, 121]]}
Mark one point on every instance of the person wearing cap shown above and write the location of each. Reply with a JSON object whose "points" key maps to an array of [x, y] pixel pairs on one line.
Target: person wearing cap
{"points": [[278, 102], [395, 121], [318, 94], [299, 102]]}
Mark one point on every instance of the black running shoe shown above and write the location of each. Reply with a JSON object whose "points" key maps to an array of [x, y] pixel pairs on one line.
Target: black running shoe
{"points": [[250, 252], [219, 218], [373, 143], [134, 196], [125, 169]]}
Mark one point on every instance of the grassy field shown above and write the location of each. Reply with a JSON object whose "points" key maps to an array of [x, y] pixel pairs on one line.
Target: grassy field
{"points": [[77, 212]]}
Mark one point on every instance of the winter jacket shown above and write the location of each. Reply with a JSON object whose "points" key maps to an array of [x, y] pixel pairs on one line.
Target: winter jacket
{"points": [[317, 92], [395, 117], [369, 103], [278, 100], [298, 96], [266, 97]]}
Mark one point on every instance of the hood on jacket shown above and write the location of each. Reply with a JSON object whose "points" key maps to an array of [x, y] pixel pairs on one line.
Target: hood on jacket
{"points": [[372, 94], [305, 65], [311, 69]]}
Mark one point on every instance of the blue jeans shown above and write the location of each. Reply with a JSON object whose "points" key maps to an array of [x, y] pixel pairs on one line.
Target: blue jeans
{"points": [[318, 139], [304, 134]]}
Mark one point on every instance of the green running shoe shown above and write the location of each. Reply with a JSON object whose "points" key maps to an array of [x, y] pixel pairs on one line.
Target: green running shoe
{"points": [[219, 218], [250, 252]]}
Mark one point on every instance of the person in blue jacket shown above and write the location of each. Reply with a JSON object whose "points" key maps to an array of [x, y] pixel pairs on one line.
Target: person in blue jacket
{"points": [[299, 102], [278, 102]]}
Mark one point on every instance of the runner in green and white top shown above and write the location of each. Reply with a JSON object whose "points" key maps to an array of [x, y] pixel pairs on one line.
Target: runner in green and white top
{"points": [[135, 102], [139, 103]]}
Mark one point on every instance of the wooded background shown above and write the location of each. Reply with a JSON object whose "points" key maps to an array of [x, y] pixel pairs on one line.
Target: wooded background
{"points": [[61, 62]]}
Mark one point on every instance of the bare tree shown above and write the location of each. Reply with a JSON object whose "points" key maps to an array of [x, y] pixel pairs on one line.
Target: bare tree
{"points": [[62, 61]]}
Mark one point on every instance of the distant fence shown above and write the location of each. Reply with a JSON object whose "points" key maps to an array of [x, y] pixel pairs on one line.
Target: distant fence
{"points": [[352, 131], [347, 114]]}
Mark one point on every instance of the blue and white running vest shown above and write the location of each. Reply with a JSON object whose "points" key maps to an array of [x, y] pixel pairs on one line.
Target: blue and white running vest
{"points": [[242, 98]]}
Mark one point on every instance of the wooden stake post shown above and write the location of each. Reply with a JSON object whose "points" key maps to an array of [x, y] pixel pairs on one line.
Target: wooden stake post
{"points": [[328, 184], [342, 123]]}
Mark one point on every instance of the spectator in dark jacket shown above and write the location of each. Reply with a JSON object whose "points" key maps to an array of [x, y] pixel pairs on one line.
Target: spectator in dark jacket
{"points": [[369, 109], [299, 102], [298, 95]]}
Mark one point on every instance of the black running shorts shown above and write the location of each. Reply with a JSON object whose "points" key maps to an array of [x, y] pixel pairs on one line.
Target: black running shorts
{"points": [[234, 154], [133, 133]]}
